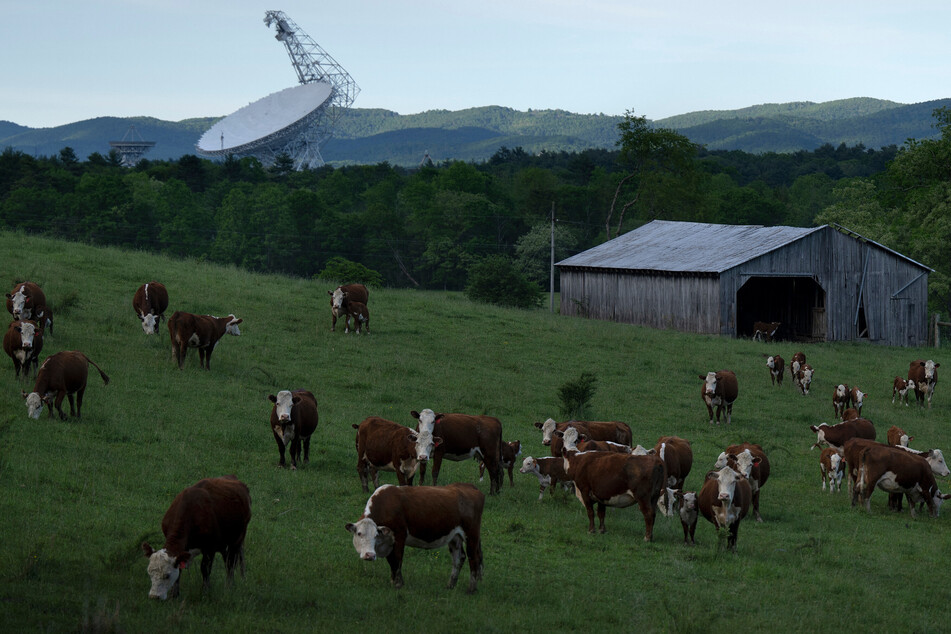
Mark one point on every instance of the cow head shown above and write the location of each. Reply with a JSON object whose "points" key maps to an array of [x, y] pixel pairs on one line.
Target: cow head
{"points": [[21, 304], [548, 428], [34, 404], [930, 367], [771, 362], [686, 501], [726, 484], [570, 437], [283, 405], [426, 418], [710, 384], [369, 540], [858, 396], [165, 570], [640, 450], [742, 462], [150, 323], [337, 299], [425, 443], [529, 465], [836, 463], [232, 327], [27, 332], [819, 430], [840, 392], [935, 458]]}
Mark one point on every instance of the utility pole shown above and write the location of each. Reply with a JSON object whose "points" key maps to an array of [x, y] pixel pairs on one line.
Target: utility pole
{"points": [[551, 271]]}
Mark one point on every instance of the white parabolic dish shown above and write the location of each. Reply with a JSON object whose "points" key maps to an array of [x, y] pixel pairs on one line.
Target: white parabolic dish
{"points": [[266, 117]]}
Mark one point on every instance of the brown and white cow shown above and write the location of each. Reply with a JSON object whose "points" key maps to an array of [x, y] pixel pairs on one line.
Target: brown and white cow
{"points": [[340, 297], [149, 303], [360, 314], [831, 468], [510, 452], [900, 389], [724, 500], [897, 471], [422, 517], [687, 509], [896, 436], [795, 364], [207, 518], [777, 367], [751, 461], [837, 435], [188, 330], [465, 437], [615, 431], [850, 414], [840, 400], [804, 378], [549, 470], [26, 301], [61, 375], [765, 331], [678, 459], [293, 421], [719, 390], [857, 399], [925, 376], [612, 479], [852, 453], [23, 343], [383, 445], [573, 440]]}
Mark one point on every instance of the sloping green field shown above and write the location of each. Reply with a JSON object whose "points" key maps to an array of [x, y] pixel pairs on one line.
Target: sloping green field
{"points": [[77, 498]]}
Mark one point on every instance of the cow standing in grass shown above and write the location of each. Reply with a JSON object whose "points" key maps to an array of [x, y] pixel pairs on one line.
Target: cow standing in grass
{"points": [[61, 376], [293, 421], [149, 303], [719, 390], [188, 330], [340, 298], [23, 343]]}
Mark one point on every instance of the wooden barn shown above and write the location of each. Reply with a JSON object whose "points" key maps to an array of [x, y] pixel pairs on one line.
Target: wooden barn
{"points": [[821, 283]]}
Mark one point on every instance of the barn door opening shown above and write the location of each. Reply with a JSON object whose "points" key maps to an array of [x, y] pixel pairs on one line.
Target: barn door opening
{"points": [[798, 303]]}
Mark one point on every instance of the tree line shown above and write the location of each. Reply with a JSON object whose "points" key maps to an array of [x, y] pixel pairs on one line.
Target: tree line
{"points": [[427, 227]]}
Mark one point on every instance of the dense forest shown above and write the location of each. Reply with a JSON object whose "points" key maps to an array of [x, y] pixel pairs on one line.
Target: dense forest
{"points": [[428, 226]]}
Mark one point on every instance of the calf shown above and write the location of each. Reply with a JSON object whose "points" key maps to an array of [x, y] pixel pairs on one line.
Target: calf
{"points": [[751, 461], [719, 389], [925, 376], [896, 436], [465, 437], [293, 421], [61, 375], [850, 414], [896, 471], [765, 331], [149, 303], [383, 445], [614, 431], [207, 518], [840, 400], [360, 315], [804, 378], [687, 507], [857, 398], [340, 297], [549, 471], [831, 468], [777, 367], [613, 479], [422, 517], [795, 364], [900, 389], [724, 500], [188, 330], [23, 342], [837, 435], [510, 451]]}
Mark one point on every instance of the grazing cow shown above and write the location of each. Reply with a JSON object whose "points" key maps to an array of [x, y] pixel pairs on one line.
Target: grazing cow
{"points": [[840, 400], [207, 518], [724, 500], [383, 445], [293, 420], [836, 435], [798, 359], [857, 398], [422, 517], [831, 468], [572, 440], [896, 471], [26, 301], [613, 479], [925, 376], [188, 330], [510, 452], [549, 470], [751, 461], [687, 507], [360, 315], [719, 389], [900, 388], [61, 375], [896, 436], [340, 297], [466, 437], [765, 331], [777, 367], [149, 303], [614, 431], [23, 342], [804, 378]]}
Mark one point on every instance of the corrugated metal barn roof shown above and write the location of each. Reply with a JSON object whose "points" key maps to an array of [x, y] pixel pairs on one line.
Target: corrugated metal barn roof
{"points": [[687, 247]]}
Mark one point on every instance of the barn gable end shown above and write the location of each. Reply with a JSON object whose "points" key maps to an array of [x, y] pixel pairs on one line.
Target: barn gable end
{"points": [[822, 283]]}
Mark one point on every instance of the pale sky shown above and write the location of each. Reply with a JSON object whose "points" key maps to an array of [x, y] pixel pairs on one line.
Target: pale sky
{"points": [[63, 61]]}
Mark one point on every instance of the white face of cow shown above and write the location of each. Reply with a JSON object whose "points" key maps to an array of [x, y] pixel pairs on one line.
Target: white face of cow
{"points": [[711, 384], [688, 502], [34, 405], [771, 363], [935, 458], [726, 484], [840, 392], [336, 300], [369, 540], [548, 428], [425, 443], [806, 380], [640, 450], [27, 332], [164, 573], [570, 438], [18, 300], [232, 327], [529, 465], [149, 323], [835, 462], [929, 369], [427, 420], [285, 428]]}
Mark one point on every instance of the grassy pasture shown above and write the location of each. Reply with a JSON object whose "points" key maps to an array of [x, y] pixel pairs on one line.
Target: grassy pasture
{"points": [[77, 498]]}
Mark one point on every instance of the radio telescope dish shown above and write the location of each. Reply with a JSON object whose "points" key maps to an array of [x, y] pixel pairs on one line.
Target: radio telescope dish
{"points": [[295, 121]]}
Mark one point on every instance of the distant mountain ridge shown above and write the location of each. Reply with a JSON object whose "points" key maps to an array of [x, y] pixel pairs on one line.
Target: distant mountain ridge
{"points": [[372, 135]]}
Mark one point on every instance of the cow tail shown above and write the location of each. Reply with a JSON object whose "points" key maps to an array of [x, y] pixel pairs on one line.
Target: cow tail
{"points": [[105, 378]]}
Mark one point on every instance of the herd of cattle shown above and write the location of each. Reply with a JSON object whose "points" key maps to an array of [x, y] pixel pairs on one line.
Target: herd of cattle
{"points": [[597, 459]]}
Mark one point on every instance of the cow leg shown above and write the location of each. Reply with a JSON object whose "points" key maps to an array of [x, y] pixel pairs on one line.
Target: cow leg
{"points": [[589, 507], [280, 447], [458, 558], [295, 452], [59, 404], [306, 443], [474, 550], [375, 475], [759, 518], [79, 402], [710, 411], [481, 470], [731, 539], [648, 510], [207, 561], [422, 474], [362, 469], [601, 528], [395, 559], [729, 413], [437, 463], [511, 480]]}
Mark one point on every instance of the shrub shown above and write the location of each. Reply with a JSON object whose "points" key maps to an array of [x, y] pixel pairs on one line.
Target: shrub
{"points": [[496, 280], [347, 272], [576, 395]]}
